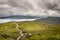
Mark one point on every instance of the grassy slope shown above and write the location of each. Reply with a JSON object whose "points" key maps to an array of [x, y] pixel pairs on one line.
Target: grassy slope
{"points": [[39, 31]]}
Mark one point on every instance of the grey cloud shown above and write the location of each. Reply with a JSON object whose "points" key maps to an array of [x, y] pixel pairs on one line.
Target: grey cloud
{"points": [[30, 7]]}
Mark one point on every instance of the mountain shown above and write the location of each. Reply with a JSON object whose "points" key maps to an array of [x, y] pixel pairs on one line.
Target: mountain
{"points": [[49, 20], [21, 17]]}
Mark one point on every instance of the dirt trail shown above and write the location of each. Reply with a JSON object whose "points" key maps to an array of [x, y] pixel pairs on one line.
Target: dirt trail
{"points": [[20, 31]]}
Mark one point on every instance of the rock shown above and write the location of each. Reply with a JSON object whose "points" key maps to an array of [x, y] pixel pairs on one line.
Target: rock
{"points": [[29, 34]]}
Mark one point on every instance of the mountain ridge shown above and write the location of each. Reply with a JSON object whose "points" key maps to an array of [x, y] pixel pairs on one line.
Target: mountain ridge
{"points": [[49, 20], [22, 17]]}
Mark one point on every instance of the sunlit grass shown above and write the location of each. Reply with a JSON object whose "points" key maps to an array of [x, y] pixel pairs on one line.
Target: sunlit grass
{"points": [[39, 31]]}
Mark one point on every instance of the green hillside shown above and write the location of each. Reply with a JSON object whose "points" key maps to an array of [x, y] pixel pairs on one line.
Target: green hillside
{"points": [[33, 31]]}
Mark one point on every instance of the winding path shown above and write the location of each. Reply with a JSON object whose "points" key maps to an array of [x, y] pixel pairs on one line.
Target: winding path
{"points": [[20, 31]]}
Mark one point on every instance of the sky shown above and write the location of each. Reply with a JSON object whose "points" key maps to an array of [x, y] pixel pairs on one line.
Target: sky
{"points": [[30, 7]]}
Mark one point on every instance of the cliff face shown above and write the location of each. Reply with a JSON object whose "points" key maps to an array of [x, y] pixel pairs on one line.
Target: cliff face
{"points": [[30, 7]]}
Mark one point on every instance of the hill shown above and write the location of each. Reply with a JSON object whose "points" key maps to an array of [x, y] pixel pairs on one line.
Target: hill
{"points": [[33, 31], [21, 17], [50, 20]]}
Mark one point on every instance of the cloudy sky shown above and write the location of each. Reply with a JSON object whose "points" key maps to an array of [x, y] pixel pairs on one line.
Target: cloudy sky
{"points": [[30, 7]]}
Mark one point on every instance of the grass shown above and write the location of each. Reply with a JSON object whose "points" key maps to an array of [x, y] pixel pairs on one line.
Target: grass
{"points": [[39, 31]]}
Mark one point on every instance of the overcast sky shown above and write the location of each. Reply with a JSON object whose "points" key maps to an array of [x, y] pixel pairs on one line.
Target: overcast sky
{"points": [[30, 7]]}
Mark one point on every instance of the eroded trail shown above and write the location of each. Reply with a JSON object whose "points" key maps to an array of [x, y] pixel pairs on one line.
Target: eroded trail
{"points": [[20, 31]]}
